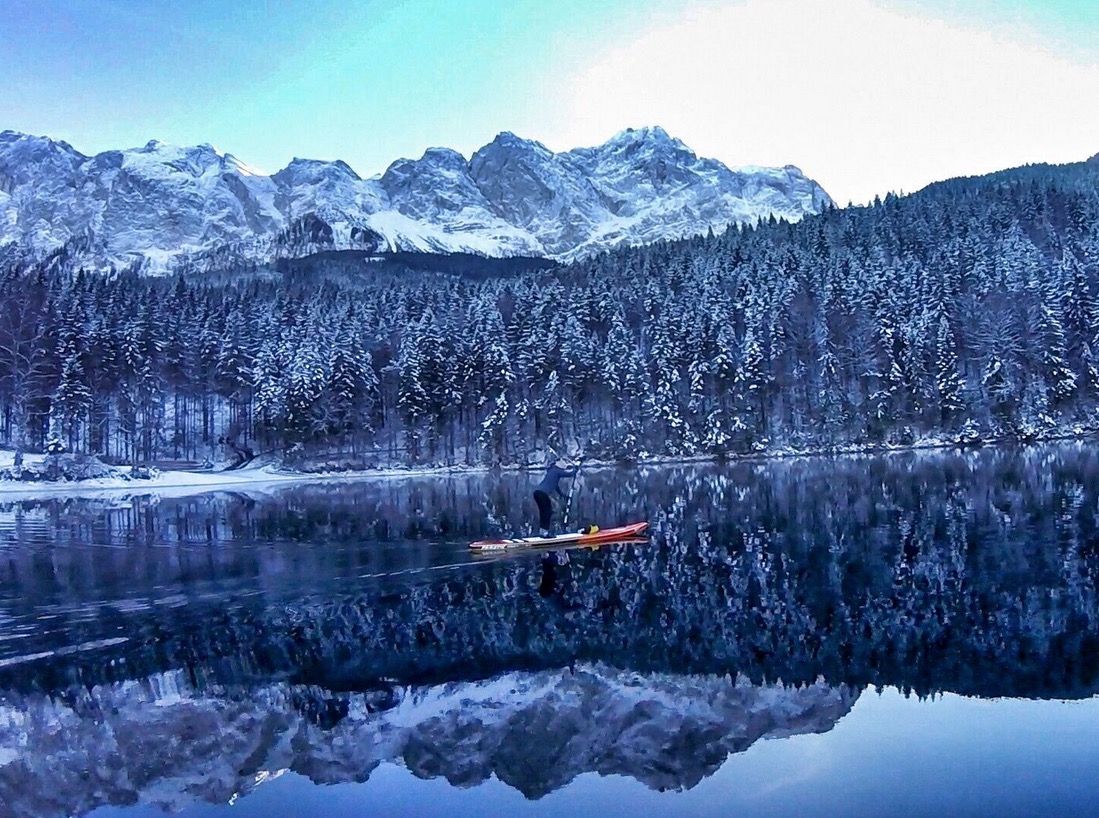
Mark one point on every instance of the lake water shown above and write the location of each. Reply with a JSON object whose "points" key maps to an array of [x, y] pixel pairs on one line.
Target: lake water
{"points": [[912, 635]]}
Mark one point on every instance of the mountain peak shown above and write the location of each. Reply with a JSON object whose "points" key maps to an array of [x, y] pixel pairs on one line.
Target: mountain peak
{"points": [[514, 196], [26, 157], [508, 138], [170, 149], [317, 168], [510, 141], [649, 133], [10, 137], [637, 145], [446, 157]]}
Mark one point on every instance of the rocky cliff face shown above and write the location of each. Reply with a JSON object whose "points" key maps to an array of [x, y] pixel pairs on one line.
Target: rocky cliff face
{"points": [[160, 204], [162, 741]]}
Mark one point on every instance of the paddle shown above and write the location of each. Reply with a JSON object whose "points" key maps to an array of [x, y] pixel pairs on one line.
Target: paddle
{"points": [[572, 490]]}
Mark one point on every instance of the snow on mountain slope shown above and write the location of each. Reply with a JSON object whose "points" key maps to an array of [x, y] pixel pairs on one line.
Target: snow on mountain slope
{"points": [[187, 198], [438, 190], [331, 190], [539, 191], [655, 187], [40, 203], [162, 203]]}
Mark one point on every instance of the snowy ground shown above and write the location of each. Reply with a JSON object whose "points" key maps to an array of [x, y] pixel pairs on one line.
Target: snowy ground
{"points": [[7, 458], [183, 483]]}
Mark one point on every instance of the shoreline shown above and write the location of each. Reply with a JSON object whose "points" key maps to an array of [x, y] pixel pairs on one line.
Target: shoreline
{"points": [[268, 477]]}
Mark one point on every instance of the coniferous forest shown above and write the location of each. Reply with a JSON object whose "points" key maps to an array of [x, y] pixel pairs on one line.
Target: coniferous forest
{"points": [[967, 311]]}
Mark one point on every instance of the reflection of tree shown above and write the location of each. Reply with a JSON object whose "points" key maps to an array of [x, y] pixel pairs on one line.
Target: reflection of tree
{"points": [[969, 573]]}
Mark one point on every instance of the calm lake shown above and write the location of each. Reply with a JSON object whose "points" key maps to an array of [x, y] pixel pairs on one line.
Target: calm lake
{"points": [[913, 635]]}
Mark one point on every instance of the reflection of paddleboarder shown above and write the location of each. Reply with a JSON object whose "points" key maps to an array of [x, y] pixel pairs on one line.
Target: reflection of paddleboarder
{"points": [[547, 587], [550, 485]]}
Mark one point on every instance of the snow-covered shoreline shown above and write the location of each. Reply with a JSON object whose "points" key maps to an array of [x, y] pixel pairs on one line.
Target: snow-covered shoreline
{"points": [[186, 483], [269, 477]]}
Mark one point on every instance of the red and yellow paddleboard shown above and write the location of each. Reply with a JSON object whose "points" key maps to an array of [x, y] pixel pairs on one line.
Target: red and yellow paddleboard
{"points": [[606, 535]]}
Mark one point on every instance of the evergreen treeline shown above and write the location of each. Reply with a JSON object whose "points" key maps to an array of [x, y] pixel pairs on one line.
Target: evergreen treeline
{"points": [[967, 310]]}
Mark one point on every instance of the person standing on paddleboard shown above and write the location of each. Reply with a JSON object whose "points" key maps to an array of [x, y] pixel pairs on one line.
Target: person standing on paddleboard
{"points": [[551, 485]]}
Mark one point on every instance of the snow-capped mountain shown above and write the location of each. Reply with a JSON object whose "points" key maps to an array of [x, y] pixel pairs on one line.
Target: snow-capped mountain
{"points": [[160, 204], [161, 741]]}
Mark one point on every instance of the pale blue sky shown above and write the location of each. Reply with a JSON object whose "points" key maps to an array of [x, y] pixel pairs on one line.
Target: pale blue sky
{"points": [[865, 95], [366, 81]]}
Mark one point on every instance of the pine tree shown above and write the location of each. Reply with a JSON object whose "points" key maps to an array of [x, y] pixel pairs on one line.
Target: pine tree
{"points": [[415, 385], [948, 382], [72, 399]]}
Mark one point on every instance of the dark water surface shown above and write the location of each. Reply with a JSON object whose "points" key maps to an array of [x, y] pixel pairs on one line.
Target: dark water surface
{"points": [[912, 635]]}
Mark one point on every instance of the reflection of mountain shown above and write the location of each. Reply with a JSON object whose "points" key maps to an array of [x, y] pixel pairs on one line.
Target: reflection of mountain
{"points": [[161, 741], [306, 631]]}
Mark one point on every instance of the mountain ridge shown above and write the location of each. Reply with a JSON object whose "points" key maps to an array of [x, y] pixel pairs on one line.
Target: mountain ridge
{"points": [[160, 205]]}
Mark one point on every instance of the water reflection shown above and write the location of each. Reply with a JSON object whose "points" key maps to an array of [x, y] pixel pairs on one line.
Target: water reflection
{"points": [[164, 741], [328, 629]]}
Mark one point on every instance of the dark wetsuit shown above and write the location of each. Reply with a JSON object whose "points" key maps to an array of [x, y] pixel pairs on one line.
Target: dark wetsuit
{"points": [[551, 484]]}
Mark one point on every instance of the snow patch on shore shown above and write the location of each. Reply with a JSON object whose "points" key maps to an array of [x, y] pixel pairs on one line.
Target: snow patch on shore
{"points": [[258, 477]]}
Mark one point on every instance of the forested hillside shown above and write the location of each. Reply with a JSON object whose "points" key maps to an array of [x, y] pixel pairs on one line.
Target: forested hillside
{"points": [[968, 310]]}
